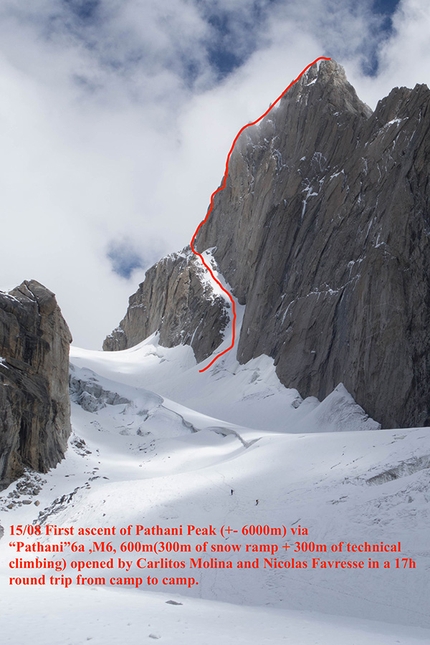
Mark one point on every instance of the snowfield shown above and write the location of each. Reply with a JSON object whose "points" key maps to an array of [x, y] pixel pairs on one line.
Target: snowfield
{"points": [[157, 444]]}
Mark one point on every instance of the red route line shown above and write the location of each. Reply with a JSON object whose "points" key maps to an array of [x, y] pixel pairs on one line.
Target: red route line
{"points": [[211, 205]]}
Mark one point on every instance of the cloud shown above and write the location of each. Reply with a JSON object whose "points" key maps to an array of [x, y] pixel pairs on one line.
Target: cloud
{"points": [[406, 57], [125, 258], [116, 117], [403, 54]]}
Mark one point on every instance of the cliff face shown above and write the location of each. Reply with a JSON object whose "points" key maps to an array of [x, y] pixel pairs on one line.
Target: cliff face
{"points": [[177, 300], [323, 232], [34, 366]]}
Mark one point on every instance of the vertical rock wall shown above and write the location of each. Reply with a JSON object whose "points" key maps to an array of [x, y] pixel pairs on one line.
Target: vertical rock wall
{"points": [[34, 375], [323, 232]]}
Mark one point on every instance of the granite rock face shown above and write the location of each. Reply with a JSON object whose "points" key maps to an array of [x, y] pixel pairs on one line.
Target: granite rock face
{"points": [[323, 233], [176, 300], [34, 377], [336, 272]]}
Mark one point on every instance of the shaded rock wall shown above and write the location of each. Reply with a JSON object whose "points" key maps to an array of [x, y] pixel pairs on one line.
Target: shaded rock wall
{"points": [[34, 374], [323, 231]]}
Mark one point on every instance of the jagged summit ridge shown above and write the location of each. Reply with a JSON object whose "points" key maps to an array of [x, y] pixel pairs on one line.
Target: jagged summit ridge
{"points": [[322, 232]]}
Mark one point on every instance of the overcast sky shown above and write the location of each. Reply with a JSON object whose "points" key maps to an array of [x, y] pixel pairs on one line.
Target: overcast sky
{"points": [[116, 117]]}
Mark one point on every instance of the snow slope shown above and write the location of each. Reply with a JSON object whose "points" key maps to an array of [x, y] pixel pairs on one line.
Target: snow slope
{"points": [[157, 443]]}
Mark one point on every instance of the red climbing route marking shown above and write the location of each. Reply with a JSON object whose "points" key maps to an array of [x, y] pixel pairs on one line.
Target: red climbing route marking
{"points": [[211, 205]]}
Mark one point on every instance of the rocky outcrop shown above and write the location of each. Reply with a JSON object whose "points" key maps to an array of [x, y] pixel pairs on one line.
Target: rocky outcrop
{"points": [[323, 233], [34, 373], [177, 300]]}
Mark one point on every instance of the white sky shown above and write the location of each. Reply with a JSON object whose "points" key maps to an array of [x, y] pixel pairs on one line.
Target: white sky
{"points": [[106, 140]]}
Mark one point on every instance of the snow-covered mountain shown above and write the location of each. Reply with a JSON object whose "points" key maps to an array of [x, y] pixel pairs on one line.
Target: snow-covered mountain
{"points": [[322, 231], [223, 506], [155, 443]]}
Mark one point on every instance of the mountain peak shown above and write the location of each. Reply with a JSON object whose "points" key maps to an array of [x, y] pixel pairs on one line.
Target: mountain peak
{"points": [[322, 232], [326, 82], [330, 70]]}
